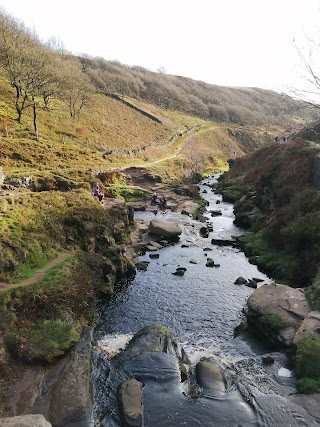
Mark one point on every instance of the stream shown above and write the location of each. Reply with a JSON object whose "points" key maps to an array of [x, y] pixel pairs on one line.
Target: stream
{"points": [[201, 309]]}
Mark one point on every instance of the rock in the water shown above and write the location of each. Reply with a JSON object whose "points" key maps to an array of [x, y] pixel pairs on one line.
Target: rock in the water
{"points": [[164, 229], [216, 213], [155, 244], [142, 265], [209, 376], [268, 360], [240, 281], [179, 272], [151, 338], [204, 232], [251, 284], [25, 421], [131, 404], [224, 242], [210, 263], [193, 261], [154, 256]]}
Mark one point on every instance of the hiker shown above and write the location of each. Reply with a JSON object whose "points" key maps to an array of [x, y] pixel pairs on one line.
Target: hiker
{"points": [[154, 199], [96, 192], [276, 139], [284, 139], [163, 202], [130, 215]]}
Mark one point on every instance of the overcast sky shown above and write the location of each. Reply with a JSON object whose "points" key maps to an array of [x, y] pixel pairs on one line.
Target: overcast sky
{"points": [[225, 42]]}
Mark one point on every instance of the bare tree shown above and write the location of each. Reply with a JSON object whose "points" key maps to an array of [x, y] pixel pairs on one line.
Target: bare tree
{"points": [[76, 88], [14, 47], [309, 56], [29, 66]]}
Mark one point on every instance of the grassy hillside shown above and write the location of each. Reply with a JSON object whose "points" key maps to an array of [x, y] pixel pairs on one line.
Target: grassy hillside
{"points": [[277, 200], [252, 106], [110, 134]]}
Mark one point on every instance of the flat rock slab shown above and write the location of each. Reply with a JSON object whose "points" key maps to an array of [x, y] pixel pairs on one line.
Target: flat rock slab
{"points": [[288, 303], [25, 421]]}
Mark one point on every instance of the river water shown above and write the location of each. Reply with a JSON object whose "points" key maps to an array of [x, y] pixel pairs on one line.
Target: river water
{"points": [[201, 309]]}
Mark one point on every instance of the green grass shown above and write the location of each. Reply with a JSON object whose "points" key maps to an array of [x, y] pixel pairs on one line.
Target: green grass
{"points": [[308, 386], [42, 320], [49, 339], [307, 358]]}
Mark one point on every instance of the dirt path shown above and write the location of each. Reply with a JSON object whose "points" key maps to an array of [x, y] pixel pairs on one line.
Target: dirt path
{"points": [[39, 275]]}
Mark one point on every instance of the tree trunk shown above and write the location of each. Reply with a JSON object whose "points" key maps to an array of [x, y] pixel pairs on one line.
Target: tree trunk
{"points": [[35, 125]]}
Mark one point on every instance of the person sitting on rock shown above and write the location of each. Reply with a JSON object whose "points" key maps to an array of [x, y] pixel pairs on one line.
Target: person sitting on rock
{"points": [[96, 192], [163, 202], [154, 199]]}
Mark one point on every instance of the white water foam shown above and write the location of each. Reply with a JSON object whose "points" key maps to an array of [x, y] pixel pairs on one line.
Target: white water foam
{"points": [[113, 344]]}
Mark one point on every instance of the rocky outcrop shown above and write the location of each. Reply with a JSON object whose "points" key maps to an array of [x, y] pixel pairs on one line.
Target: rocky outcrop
{"points": [[279, 311], [164, 229], [25, 421], [151, 355], [246, 211], [1, 176], [62, 392], [152, 361], [309, 327]]}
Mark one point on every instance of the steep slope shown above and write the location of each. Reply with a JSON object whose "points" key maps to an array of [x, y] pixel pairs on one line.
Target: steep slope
{"points": [[252, 106], [278, 199]]}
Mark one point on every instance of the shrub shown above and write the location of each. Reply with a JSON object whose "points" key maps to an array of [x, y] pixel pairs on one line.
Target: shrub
{"points": [[308, 358], [308, 386]]}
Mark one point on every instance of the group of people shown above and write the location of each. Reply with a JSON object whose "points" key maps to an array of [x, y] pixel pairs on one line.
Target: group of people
{"points": [[161, 201], [156, 199], [284, 139]]}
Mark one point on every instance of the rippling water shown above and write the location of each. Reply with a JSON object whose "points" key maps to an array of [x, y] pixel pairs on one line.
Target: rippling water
{"points": [[201, 309]]}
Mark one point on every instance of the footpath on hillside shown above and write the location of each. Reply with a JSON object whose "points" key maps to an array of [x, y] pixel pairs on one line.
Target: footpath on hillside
{"points": [[38, 275]]}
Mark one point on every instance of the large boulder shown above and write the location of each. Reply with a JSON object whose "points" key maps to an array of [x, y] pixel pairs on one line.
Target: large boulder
{"points": [[25, 421], [278, 311], [130, 401], [151, 338], [209, 376], [164, 229]]}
